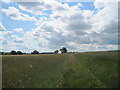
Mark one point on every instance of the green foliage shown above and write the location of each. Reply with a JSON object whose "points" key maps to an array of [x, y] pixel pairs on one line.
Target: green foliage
{"points": [[56, 51], [63, 50], [13, 52], [35, 52], [19, 53]]}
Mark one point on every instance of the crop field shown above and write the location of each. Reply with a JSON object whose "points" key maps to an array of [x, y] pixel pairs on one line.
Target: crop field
{"points": [[73, 70]]}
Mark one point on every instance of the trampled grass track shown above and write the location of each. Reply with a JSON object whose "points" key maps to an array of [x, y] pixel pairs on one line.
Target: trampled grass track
{"points": [[79, 70]]}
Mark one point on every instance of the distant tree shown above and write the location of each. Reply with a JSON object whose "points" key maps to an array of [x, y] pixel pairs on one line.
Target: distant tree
{"points": [[35, 52], [63, 50], [1, 53], [24, 53], [6, 53], [13, 52], [19, 53], [56, 51]]}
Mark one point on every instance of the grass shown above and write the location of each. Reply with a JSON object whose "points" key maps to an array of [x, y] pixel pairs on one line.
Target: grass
{"points": [[33, 71], [93, 70], [79, 70]]}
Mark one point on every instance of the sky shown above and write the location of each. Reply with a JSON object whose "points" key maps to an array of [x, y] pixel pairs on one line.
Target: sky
{"points": [[48, 25]]}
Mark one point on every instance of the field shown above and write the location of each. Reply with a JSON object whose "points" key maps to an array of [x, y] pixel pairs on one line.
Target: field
{"points": [[73, 70]]}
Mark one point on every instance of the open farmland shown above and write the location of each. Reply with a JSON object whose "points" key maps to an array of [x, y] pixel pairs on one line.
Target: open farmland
{"points": [[77, 70]]}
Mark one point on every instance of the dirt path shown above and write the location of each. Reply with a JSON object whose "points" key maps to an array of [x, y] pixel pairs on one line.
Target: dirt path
{"points": [[70, 59]]}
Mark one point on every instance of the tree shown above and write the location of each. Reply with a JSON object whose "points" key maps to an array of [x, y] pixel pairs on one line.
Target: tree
{"points": [[35, 52], [63, 50], [19, 53], [56, 51], [1, 53], [13, 52]]}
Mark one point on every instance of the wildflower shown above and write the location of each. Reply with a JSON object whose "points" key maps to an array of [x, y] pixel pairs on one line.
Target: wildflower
{"points": [[23, 86], [61, 80], [115, 65], [57, 85], [30, 66], [19, 80]]}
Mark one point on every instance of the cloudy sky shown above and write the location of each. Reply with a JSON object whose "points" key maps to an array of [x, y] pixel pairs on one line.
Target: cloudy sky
{"points": [[47, 25]]}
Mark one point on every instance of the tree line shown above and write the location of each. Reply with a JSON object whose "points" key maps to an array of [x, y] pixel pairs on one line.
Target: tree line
{"points": [[13, 52]]}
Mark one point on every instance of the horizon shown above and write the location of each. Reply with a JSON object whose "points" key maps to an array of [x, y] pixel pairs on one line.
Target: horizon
{"points": [[67, 52], [49, 26]]}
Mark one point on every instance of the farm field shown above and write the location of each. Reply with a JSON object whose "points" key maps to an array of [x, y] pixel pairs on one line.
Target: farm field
{"points": [[73, 70]]}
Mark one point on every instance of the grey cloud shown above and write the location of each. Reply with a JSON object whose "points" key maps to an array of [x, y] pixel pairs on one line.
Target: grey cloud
{"points": [[110, 39], [77, 22], [57, 39], [4, 42], [112, 27], [47, 28], [19, 41], [104, 38]]}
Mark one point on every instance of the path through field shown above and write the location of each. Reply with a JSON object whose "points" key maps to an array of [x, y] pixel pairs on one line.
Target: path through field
{"points": [[77, 70], [71, 59], [81, 75]]}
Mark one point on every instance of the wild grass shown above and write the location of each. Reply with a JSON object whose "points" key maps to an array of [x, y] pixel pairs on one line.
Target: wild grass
{"points": [[79, 70], [93, 70], [33, 71]]}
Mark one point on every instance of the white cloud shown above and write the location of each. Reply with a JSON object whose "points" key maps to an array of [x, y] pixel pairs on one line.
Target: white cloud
{"points": [[88, 14], [80, 5], [40, 20], [7, 33], [15, 14], [103, 3], [3, 41], [38, 7], [69, 26], [17, 39], [106, 22], [2, 28], [19, 30]]}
